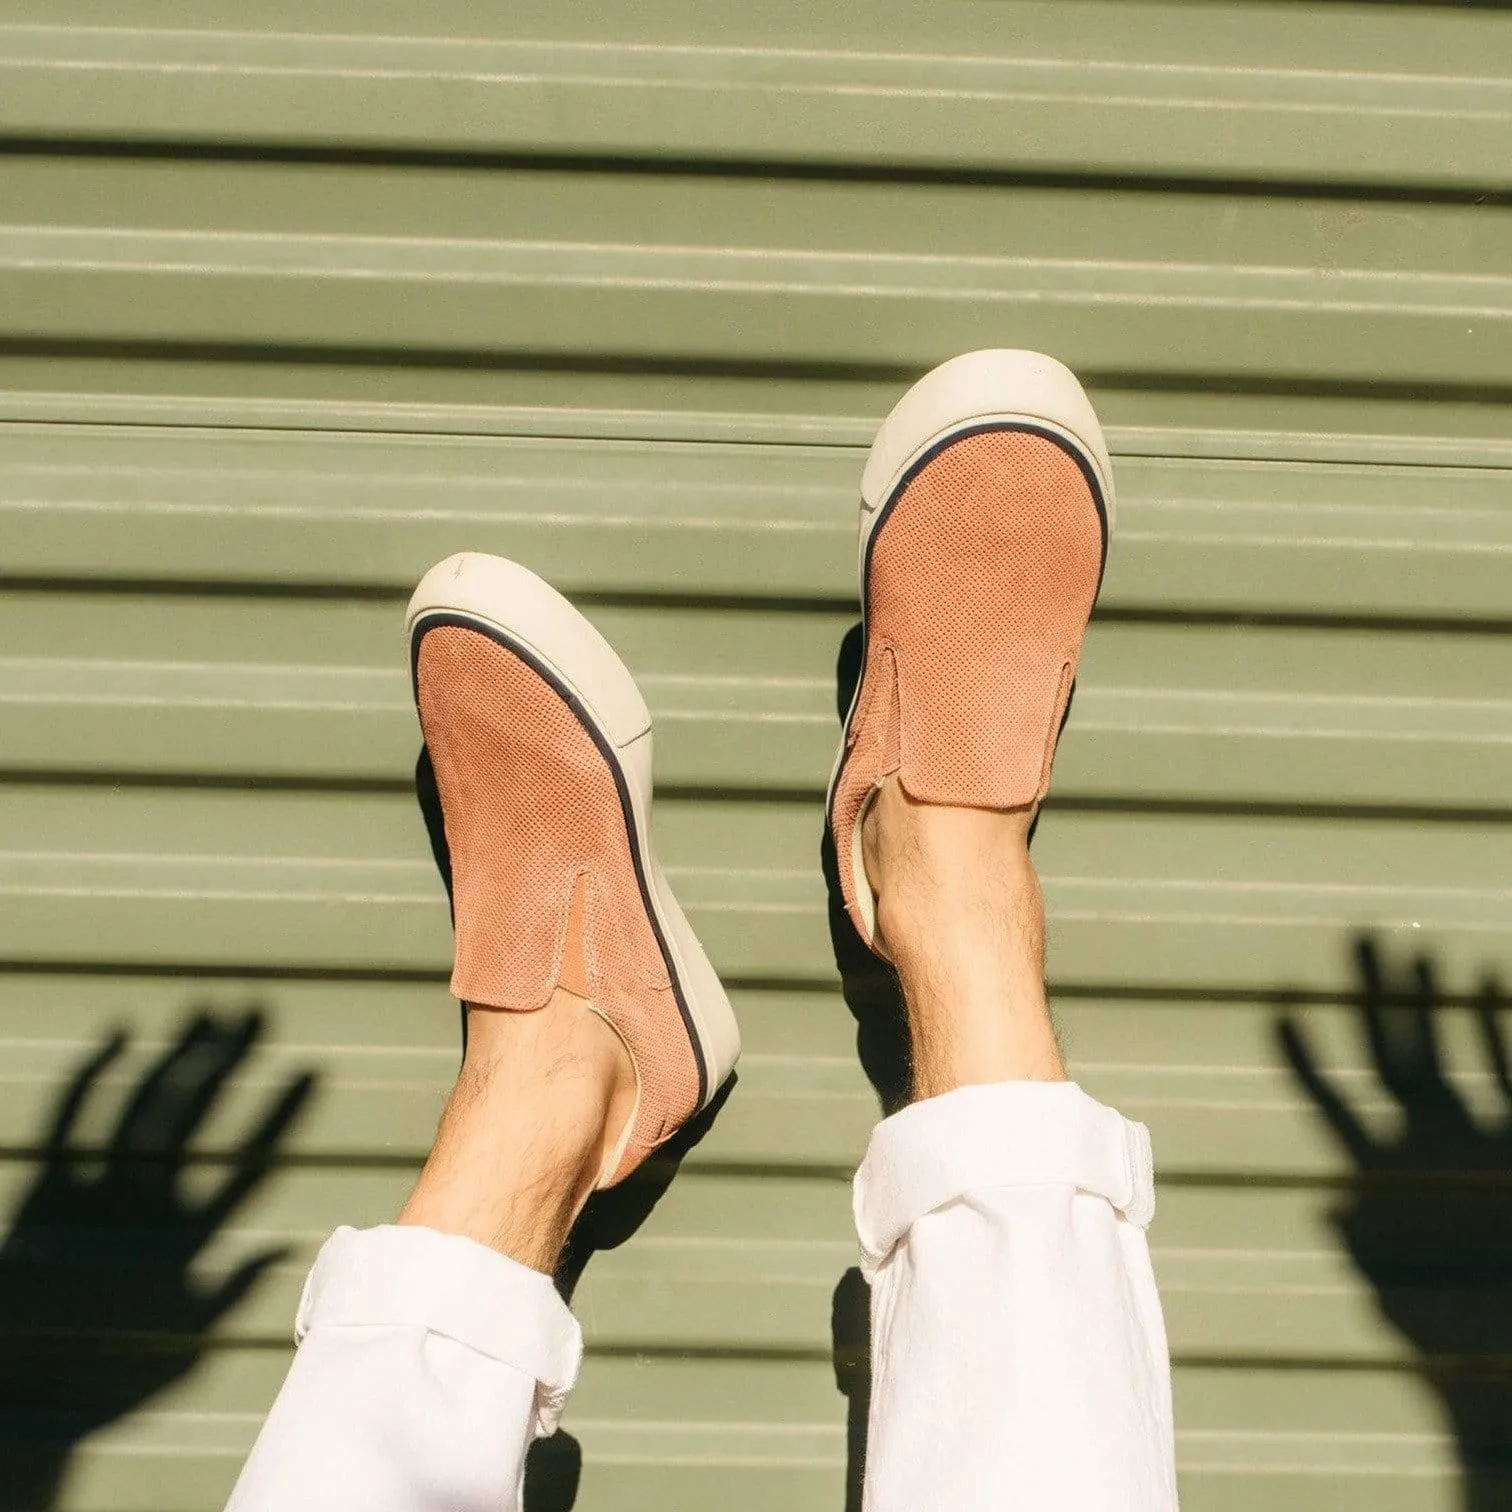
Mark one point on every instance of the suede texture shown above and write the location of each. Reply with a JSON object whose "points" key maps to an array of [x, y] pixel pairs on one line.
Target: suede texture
{"points": [[544, 885], [979, 586]]}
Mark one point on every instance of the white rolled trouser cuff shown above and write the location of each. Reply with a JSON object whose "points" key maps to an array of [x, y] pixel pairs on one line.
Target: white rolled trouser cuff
{"points": [[426, 1365], [453, 1288], [1019, 1356], [1007, 1134]]}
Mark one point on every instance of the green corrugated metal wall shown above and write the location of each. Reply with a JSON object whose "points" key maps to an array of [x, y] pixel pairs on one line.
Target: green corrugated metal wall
{"points": [[297, 298]]}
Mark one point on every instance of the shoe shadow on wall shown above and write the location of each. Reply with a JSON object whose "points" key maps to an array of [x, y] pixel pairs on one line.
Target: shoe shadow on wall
{"points": [[1427, 1210], [874, 996], [554, 1466], [100, 1304]]}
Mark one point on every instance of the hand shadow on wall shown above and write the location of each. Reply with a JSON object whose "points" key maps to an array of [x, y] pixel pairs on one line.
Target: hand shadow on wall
{"points": [[554, 1466], [99, 1310], [1428, 1213], [874, 996]]}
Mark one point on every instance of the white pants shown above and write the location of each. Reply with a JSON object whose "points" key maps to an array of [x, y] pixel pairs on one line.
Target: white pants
{"points": [[1018, 1353]]}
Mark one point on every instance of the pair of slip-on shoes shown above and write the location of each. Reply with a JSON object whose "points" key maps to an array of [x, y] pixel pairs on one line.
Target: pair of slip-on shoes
{"points": [[986, 508]]}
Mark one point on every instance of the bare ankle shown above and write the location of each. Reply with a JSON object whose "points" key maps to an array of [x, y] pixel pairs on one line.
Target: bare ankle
{"points": [[960, 913], [535, 1111]]}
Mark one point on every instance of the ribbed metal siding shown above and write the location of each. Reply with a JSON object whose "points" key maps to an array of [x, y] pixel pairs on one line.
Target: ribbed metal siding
{"points": [[294, 300]]}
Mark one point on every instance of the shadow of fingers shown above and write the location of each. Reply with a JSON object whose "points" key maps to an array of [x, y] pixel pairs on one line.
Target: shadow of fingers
{"points": [[1426, 1210], [102, 1304]]}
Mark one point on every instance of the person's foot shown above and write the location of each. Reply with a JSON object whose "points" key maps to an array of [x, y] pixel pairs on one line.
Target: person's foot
{"points": [[987, 506], [596, 1026]]}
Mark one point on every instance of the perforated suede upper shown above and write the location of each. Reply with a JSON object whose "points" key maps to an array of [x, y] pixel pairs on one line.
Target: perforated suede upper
{"points": [[533, 820], [981, 578]]}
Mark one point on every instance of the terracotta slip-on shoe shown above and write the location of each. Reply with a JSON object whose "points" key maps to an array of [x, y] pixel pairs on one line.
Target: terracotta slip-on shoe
{"points": [[986, 509], [541, 744]]}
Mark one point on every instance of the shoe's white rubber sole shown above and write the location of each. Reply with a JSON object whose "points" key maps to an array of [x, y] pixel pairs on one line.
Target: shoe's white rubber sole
{"points": [[512, 605], [976, 391]]}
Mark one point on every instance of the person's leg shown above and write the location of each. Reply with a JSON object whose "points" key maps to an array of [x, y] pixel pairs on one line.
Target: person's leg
{"points": [[433, 1351], [1018, 1353]]}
